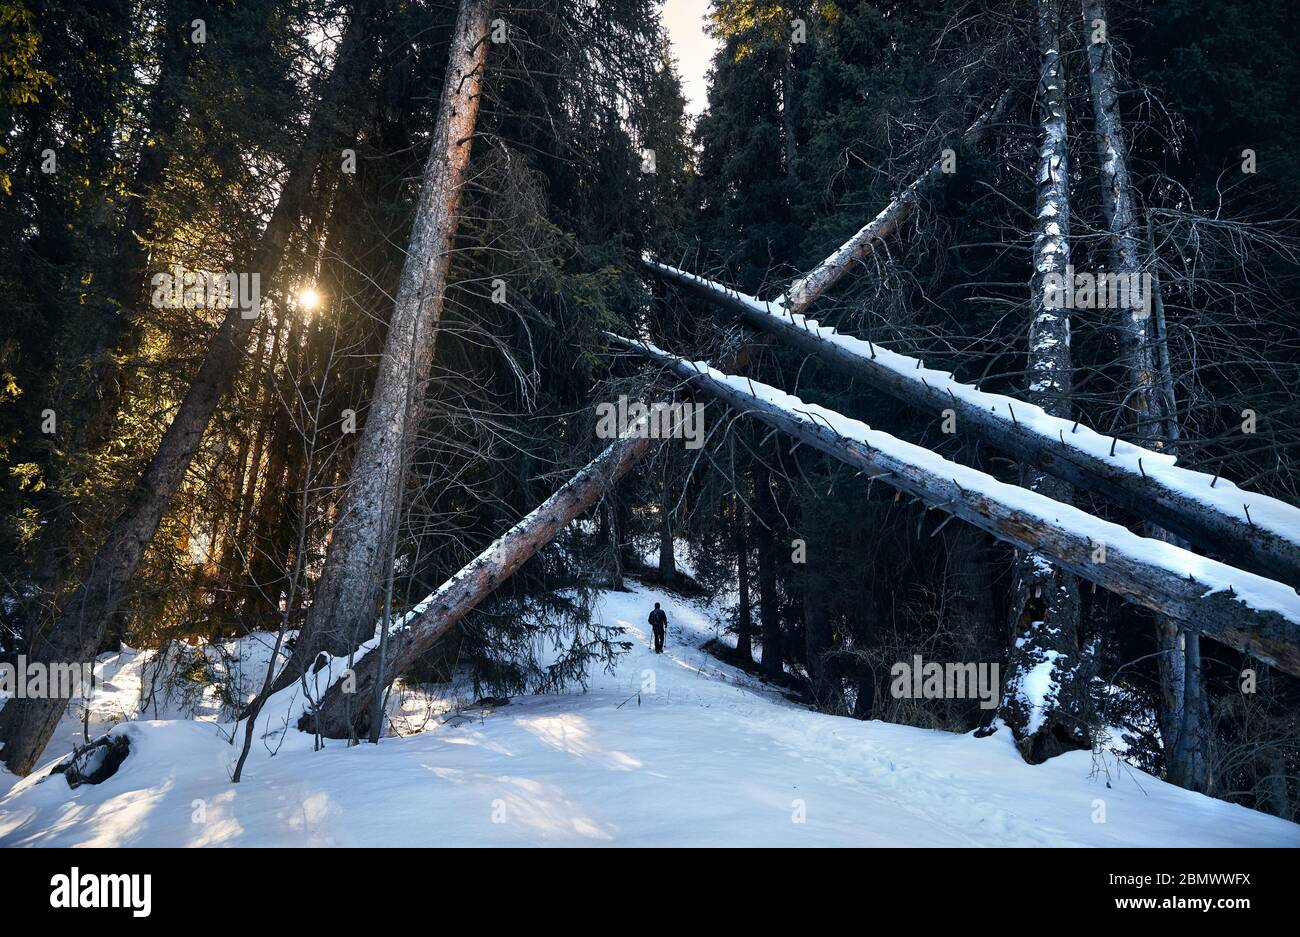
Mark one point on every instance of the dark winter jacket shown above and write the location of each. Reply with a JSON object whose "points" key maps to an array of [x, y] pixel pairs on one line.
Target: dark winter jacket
{"points": [[658, 619]]}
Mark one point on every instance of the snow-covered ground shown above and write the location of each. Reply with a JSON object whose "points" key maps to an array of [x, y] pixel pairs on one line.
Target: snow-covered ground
{"points": [[704, 756]]}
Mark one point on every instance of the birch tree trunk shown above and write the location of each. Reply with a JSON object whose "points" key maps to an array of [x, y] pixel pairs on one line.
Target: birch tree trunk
{"points": [[27, 724], [1043, 701], [1149, 397], [347, 591]]}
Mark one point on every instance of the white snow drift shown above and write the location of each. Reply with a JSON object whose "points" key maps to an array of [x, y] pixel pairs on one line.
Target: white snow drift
{"points": [[666, 750]]}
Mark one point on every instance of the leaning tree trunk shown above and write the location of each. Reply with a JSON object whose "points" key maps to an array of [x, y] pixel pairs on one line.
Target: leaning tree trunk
{"points": [[339, 716], [1148, 397], [1245, 528], [347, 592], [805, 291], [1243, 610], [1043, 700], [437, 614], [26, 725]]}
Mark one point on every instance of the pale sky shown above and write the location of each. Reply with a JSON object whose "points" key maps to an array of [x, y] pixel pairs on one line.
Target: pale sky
{"points": [[692, 47]]}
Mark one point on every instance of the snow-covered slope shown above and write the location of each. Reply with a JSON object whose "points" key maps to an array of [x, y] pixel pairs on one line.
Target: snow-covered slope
{"points": [[706, 756]]}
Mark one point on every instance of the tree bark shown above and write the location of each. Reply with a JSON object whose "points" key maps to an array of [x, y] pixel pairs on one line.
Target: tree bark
{"points": [[27, 724], [1194, 739], [346, 595], [789, 115], [1047, 716], [1143, 397], [615, 547]]}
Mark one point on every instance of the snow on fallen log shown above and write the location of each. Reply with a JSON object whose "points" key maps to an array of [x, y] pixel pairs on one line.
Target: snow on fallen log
{"points": [[1245, 528], [1246, 611]]}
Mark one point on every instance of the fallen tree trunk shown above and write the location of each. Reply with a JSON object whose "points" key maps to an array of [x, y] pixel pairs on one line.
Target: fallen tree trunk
{"points": [[1248, 612], [1244, 528], [336, 716], [343, 714], [804, 291]]}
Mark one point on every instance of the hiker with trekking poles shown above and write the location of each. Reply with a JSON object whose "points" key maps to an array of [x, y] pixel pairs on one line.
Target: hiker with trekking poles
{"points": [[658, 624]]}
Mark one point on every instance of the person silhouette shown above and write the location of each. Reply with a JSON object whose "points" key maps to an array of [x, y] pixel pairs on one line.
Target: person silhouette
{"points": [[659, 624]]}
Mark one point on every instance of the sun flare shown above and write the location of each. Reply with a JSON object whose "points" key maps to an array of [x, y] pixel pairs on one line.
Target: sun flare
{"points": [[309, 299]]}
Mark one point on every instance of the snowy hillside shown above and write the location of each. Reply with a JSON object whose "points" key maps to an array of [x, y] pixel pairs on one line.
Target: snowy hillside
{"points": [[708, 756]]}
